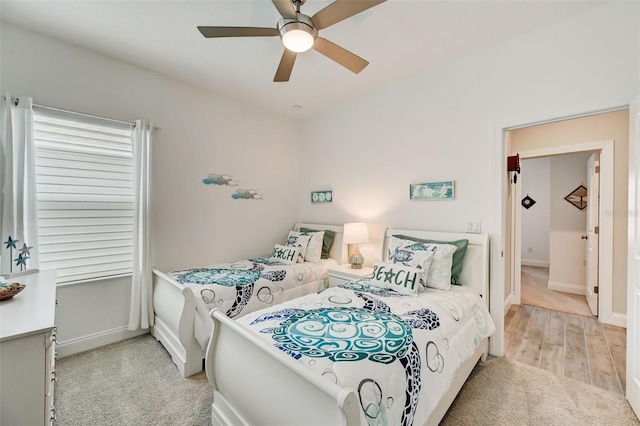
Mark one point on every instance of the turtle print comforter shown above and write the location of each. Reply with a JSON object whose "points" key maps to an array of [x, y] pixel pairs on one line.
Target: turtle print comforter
{"points": [[400, 353], [247, 285]]}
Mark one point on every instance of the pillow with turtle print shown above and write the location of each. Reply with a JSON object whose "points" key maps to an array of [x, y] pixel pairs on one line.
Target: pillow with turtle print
{"points": [[438, 270]]}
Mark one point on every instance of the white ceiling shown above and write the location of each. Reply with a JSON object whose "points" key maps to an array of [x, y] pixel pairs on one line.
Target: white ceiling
{"points": [[400, 39]]}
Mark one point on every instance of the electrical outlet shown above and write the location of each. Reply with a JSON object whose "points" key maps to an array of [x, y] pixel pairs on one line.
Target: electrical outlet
{"points": [[473, 227], [530, 249]]}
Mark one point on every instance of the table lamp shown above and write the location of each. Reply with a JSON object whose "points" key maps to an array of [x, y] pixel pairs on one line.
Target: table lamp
{"points": [[355, 233]]}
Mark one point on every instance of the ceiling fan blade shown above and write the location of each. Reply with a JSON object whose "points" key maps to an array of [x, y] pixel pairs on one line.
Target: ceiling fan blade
{"points": [[340, 10], [210, 32], [286, 66], [285, 7], [342, 56]]}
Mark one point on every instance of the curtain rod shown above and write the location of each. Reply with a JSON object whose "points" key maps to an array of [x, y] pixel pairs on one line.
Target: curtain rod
{"points": [[16, 100]]}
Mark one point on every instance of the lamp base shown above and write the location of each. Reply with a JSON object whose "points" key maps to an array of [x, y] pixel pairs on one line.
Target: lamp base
{"points": [[356, 260]]}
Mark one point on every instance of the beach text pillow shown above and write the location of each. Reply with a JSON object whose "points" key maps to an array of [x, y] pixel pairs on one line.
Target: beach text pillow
{"points": [[285, 254], [397, 277]]}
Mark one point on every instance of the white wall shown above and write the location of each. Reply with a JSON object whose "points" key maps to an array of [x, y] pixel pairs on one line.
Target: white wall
{"points": [[536, 220], [202, 133], [445, 125], [567, 173], [568, 272]]}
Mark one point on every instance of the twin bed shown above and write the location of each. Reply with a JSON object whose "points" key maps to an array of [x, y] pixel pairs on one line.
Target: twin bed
{"points": [[359, 353], [183, 299]]}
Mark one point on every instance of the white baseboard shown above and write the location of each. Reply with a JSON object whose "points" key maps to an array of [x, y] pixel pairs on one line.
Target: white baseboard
{"points": [[567, 288], [532, 262], [507, 303], [619, 320], [96, 340]]}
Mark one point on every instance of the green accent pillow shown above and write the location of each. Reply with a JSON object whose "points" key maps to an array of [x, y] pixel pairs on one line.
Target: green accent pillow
{"points": [[458, 256], [327, 242]]}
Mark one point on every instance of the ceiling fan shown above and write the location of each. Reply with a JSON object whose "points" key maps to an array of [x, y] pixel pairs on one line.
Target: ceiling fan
{"points": [[299, 33]]}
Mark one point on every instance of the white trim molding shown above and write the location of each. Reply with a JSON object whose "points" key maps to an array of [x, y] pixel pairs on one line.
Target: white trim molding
{"points": [[92, 341], [531, 262], [605, 273], [567, 288]]}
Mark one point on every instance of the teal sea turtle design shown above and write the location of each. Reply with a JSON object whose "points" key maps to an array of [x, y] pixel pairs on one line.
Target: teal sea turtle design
{"points": [[349, 334], [242, 279]]}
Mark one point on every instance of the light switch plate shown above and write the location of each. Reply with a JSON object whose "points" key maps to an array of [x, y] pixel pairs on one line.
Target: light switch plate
{"points": [[473, 227]]}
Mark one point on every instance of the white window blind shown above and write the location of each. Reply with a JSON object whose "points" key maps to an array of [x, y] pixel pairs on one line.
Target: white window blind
{"points": [[85, 196]]}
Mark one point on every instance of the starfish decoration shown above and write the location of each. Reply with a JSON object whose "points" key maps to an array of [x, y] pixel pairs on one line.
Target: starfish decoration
{"points": [[21, 260], [25, 250], [11, 243]]}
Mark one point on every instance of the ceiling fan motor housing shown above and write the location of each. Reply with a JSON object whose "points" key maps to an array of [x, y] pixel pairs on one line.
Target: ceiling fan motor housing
{"points": [[297, 34]]}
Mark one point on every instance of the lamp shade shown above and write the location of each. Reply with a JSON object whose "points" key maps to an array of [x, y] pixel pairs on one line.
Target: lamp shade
{"points": [[355, 233]]}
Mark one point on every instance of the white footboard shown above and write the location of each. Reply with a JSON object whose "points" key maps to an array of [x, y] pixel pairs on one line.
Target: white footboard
{"points": [[174, 310], [254, 383]]}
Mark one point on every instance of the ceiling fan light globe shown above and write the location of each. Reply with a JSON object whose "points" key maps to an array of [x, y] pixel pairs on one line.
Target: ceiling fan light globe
{"points": [[297, 41], [297, 35]]}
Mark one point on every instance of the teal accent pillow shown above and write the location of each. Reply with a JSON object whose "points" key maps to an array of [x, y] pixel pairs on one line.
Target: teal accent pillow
{"points": [[458, 256], [327, 241]]}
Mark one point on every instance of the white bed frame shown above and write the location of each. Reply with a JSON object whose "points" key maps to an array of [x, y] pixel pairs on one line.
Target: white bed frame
{"points": [[174, 308], [256, 384]]}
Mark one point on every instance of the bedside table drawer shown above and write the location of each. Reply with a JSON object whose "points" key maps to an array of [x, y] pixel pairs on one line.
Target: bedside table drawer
{"points": [[344, 273]]}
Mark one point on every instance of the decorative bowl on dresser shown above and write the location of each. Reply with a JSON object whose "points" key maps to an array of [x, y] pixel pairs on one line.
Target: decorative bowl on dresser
{"points": [[7, 291]]}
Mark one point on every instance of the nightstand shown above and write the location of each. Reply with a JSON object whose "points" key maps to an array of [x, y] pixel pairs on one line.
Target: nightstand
{"points": [[344, 273]]}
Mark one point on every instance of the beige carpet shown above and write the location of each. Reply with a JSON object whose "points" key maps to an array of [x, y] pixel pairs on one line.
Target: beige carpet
{"points": [[504, 392], [134, 382]]}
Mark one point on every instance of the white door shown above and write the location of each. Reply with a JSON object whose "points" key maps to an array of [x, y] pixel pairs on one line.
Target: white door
{"points": [[633, 272], [593, 202]]}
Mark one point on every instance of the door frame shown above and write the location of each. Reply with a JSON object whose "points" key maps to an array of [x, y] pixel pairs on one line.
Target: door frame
{"points": [[605, 243], [592, 235], [500, 273], [633, 261]]}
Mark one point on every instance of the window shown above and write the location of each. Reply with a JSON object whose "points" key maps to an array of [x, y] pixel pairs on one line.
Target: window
{"points": [[85, 195]]}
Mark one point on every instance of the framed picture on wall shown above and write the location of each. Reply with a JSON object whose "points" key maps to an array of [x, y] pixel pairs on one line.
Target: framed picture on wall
{"points": [[578, 197], [318, 197], [444, 190]]}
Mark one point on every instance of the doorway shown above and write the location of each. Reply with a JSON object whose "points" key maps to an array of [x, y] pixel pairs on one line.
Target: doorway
{"points": [[565, 137], [554, 215]]}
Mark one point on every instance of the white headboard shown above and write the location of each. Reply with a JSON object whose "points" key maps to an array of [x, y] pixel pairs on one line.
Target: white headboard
{"points": [[338, 251], [475, 269]]}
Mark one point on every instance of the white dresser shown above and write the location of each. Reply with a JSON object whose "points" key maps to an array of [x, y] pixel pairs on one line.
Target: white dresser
{"points": [[27, 352]]}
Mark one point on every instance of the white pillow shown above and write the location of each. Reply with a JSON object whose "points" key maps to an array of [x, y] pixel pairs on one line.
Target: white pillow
{"points": [[285, 254], [421, 259], [439, 275], [297, 239], [440, 270], [397, 277], [314, 248]]}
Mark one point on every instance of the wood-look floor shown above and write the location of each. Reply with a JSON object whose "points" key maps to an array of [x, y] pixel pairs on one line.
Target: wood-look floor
{"points": [[573, 346], [534, 288]]}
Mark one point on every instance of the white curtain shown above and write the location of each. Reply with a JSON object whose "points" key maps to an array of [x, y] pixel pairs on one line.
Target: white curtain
{"points": [[18, 216], [141, 309]]}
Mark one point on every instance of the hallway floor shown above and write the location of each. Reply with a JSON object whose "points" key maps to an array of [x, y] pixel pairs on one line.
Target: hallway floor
{"points": [[556, 331], [573, 346], [534, 292]]}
